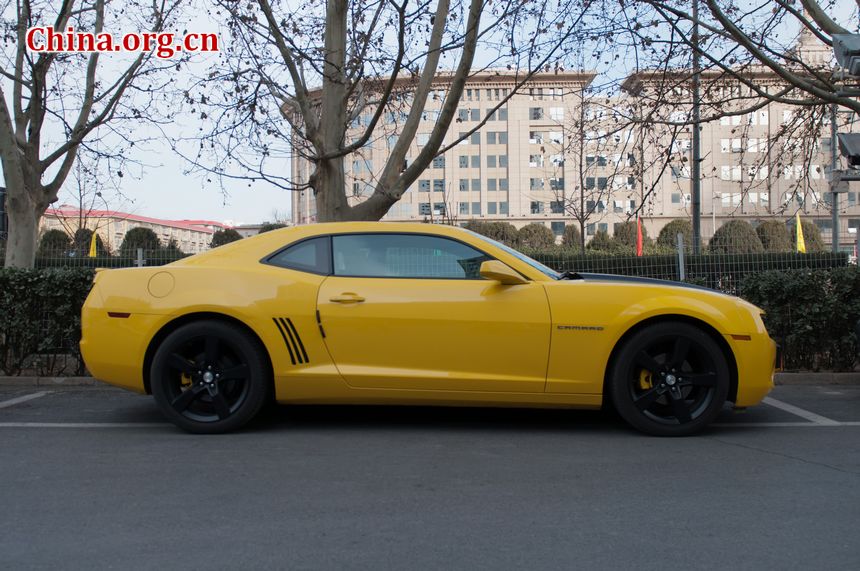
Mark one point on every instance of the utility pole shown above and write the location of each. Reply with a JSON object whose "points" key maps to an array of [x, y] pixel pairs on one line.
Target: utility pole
{"points": [[695, 174], [834, 182]]}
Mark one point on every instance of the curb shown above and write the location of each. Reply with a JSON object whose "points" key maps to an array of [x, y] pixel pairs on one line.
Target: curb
{"points": [[50, 382], [800, 378]]}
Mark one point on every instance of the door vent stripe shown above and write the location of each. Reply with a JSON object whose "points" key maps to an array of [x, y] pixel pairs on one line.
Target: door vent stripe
{"points": [[287, 343], [299, 339], [292, 340]]}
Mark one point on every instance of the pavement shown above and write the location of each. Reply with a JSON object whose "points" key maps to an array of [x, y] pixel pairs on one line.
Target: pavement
{"points": [[93, 478]]}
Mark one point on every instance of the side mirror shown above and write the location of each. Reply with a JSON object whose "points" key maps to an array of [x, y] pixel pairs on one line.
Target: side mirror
{"points": [[497, 271]]}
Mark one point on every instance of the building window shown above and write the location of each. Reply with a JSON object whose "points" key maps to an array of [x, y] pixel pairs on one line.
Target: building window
{"points": [[476, 185], [601, 183], [439, 185], [464, 208], [462, 115], [503, 208], [556, 207], [476, 161], [491, 184], [503, 114], [463, 161], [439, 162], [476, 138], [476, 114], [503, 160], [423, 186], [536, 207], [535, 160], [557, 228], [491, 208], [424, 209], [491, 137], [556, 183], [503, 138], [503, 184], [589, 183], [476, 208], [439, 208], [676, 198], [464, 185], [422, 139], [536, 183], [556, 113], [535, 113], [491, 161], [536, 137], [556, 137]]}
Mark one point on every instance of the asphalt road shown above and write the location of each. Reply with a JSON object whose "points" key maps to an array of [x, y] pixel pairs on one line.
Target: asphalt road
{"points": [[93, 478]]}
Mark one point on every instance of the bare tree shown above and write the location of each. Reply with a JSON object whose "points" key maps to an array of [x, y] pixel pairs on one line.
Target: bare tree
{"points": [[59, 101], [341, 67]]}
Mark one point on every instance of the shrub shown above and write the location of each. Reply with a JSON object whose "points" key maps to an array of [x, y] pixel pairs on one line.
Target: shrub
{"points": [[735, 237], [139, 238], [269, 226], [221, 237], [811, 313], [625, 233], [572, 238], [81, 243], [54, 243], [600, 242], [668, 237], [40, 315], [503, 232], [811, 237], [535, 236], [774, 236]]}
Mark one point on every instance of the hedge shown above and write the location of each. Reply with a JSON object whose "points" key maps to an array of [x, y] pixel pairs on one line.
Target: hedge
{"points": [[811, 308], [811, 313], [40, 319]]}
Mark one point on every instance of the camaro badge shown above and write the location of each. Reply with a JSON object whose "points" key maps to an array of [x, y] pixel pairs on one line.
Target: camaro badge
{"points": [[581, 327]]}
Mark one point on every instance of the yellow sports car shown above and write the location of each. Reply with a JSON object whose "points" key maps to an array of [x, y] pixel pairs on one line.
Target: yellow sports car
{"points": [[387, 313]]}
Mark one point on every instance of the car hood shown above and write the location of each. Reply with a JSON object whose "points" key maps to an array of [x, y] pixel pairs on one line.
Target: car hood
{"points": [[585, 276]]}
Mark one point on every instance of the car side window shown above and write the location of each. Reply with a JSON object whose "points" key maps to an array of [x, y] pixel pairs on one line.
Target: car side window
{"points": [[405, 256], [312, 255]]}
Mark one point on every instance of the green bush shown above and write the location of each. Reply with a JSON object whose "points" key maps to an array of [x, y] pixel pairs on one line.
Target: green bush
{"points": [[774, 236], [221, 237], [572, 238], [535, 236], [54, 243], [40, 319], [811, 237], [626, 234], [811, 313], [668, 237], [139, 238], [503, 232], [269, 226], [81, 243], [735, 237]]}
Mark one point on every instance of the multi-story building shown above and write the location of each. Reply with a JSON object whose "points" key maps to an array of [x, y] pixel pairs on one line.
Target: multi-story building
{"points": [[191, 236], [559, 154]]}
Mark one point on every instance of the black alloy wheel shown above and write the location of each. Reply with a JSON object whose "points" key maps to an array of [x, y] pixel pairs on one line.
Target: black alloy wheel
{"points": [[210, 377], [669, 379]]}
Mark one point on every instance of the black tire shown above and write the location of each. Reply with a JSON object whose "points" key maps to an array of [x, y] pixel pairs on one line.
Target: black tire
{"points": [[669, 379], [210, 377]]}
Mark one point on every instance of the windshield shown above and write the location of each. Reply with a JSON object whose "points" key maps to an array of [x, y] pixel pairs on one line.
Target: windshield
{"points": [[520, 256]]}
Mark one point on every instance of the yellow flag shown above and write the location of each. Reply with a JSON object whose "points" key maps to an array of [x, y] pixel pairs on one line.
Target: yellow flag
{"points": [[801, 245], [93, 245]]}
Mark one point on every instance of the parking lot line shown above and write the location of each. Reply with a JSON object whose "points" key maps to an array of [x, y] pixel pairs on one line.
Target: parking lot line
{"points": [[80, 424], [833, 424], [25, 398], [810, 416]]}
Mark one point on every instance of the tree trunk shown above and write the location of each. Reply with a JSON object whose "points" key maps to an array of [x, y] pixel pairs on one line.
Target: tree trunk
{"points": [[328, 182], [24, 218]]}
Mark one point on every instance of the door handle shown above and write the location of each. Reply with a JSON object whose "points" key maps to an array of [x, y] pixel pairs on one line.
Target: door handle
{"points": [[346, 297]]}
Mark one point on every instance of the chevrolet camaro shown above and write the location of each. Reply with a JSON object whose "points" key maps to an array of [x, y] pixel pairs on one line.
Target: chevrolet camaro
{"points": [[421, 314]]}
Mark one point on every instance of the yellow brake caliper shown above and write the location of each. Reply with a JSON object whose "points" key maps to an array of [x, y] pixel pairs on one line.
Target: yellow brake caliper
{"points": [[645, 380]]}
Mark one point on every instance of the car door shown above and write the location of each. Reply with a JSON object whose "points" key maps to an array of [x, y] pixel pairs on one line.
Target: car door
{"points": [[411, 311]]}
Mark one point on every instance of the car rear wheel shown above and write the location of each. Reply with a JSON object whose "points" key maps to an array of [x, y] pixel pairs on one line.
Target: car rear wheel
{"points": [[669, 379], [209, 377]]}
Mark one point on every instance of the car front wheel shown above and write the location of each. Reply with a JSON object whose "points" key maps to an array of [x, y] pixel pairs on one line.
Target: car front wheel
{"points": [[669, 379], [209, 377]]}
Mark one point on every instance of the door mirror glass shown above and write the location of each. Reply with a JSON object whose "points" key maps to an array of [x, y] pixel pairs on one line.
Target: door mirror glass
{"points": [[497, 271]]}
